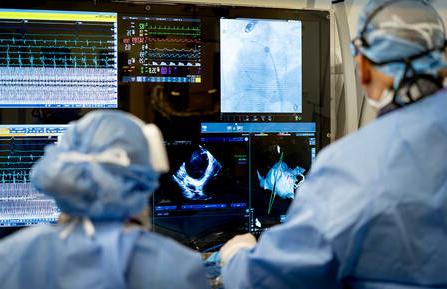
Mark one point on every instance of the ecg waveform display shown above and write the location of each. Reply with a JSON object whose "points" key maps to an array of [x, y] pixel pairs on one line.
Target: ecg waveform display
{"points": [[58, 59], [161, 49], [20, 148]]}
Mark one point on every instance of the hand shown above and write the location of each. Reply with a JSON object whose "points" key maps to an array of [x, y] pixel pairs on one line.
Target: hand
{"points": [[246, 241]]}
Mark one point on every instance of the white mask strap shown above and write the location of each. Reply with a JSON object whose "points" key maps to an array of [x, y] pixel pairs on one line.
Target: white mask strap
{"points": [[386, 98]]}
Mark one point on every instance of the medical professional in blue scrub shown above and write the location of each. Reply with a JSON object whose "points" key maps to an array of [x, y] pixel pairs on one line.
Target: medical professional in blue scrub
{"points": [[101, 175], [373, 210]]}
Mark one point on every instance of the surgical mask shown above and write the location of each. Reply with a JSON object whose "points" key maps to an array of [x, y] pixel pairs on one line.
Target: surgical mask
{"points": [[386, 98]]}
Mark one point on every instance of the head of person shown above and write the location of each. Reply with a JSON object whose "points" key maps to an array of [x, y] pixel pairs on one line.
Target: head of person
{"points": [[400, 51], [104, 167]]}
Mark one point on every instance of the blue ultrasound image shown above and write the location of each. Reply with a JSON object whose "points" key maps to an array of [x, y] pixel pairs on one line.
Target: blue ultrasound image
{"points": [[193, 175], [202, 201], [261, 66], [279, 166]]}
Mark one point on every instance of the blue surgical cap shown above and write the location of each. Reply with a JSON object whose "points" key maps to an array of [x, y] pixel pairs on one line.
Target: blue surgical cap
{"points": [[403, 29], [101, 168]]}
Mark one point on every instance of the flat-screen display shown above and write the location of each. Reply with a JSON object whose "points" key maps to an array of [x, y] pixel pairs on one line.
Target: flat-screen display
{"points": [[58, 59], [240, 177], [21, 146]]}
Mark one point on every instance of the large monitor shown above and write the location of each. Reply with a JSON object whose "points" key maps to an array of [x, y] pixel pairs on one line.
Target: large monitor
{"points": [[63, 59], [263, 73], [261, 66], [21, 146], [240, 177]]}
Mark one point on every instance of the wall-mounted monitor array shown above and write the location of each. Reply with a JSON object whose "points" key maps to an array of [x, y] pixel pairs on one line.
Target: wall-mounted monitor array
{"points": [[241, 95]]}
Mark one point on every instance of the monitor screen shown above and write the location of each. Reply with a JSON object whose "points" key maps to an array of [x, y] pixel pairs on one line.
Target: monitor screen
{"points": [[240, 177], [280, 156], [261, 66], [21, 146], [62, 59], [161, 49], [203, 200]]}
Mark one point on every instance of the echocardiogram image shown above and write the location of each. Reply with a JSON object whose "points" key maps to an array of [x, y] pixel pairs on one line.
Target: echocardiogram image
{"points": [[279, 167], [203, 200], [195, 173]]}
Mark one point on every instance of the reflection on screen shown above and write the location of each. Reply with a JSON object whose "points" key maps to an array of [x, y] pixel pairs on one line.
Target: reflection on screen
{"points": [[261, 66], [20, 147], [58, 59]]}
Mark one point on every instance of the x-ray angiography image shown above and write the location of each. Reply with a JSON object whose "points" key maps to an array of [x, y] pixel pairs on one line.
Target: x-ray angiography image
{"points": [[279, 167], [193, 175], [261, 66]]}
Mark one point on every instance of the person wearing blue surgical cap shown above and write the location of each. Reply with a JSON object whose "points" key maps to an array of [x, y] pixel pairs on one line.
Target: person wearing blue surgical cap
{"points": [[373, 210], [101, 175]]}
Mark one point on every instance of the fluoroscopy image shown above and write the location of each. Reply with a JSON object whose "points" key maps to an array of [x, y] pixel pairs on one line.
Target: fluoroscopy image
{"points": [[195, 173], [261, 66], [279, 166]]}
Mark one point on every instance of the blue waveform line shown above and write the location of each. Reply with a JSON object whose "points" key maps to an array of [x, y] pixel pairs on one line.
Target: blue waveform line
{"points": [[15, 157], [18, 162], [173, 55], [22, 151], [192, 50], [14, 143], [66, 62], [26, 138]]}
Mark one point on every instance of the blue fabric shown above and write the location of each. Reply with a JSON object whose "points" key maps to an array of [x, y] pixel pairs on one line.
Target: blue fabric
{"points": [[100, 191], [372, 213], [214, 270], [115, 258], [403, 39]]}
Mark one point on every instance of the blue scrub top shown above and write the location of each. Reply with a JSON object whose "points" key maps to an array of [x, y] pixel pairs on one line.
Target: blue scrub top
{"points": [[114, 258], [372, 213]]}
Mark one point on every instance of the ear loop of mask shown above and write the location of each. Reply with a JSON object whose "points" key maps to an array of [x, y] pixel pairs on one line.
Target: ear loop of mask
{"points": [[413, 79], [406, 80]]}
